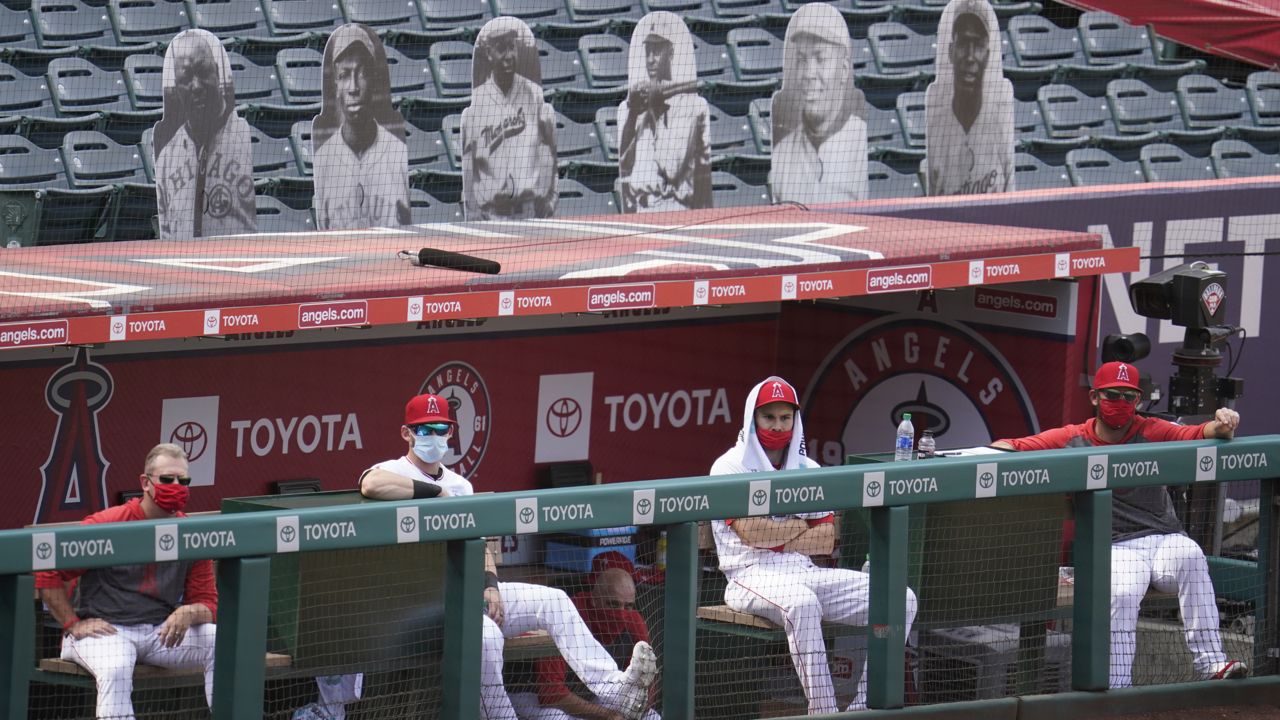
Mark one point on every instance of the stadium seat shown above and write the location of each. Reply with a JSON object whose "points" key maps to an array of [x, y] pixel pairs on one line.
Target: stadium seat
{"points": [[426, 208], [383, 14], [146, 148], [92, 159], [606, 123], [729, 191], [1027, 81], [48, 132], [63, 23], [899, 49], [1136, 107], [1027, 120], [15, 28], [300, 140], [254, 83], [884, 130], [427, 112], [1236, 158], [451, 133], [591, 10], [451, 67], [449, 14], [755, 53], [1263, 90], [760, 118], [228, 18], [1091, 166], [276, 217], [1164, 162], [288, 17], [604, 60], [426, 149], [1108, 39], [126, 126], [23, 164], [712, 60], [299, 71], [577, 142], [21, 94], [79, 87], [141, 21], [1031, 173], [409, 76], [745, 8], [1207, 103], [911, 117], [271, 156], [729, 133], [559, 67], [134, 211], [576, 199], [885, 182], [73, 216], [533, 11], [143, 76], [1036, 41], [1069, 113]]}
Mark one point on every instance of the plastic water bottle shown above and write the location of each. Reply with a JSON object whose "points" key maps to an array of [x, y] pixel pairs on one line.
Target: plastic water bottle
{"points": [[906, 439], [927, 446]]}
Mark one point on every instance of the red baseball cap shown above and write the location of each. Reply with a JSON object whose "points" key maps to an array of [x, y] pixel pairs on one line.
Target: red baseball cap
{"points": [[427, 409], [1116, 374], [775, 389]]}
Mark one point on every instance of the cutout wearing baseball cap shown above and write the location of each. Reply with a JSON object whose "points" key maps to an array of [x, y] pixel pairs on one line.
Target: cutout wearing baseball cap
{"points": [[1116, 374], [427, 409], [775, 389]]}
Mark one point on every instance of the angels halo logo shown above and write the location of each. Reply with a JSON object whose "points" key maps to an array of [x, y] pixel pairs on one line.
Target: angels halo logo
{"points": [[951, 380], [468, 398]]}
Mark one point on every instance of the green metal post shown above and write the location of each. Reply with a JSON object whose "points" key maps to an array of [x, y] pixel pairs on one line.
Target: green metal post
{"points": [[18, 633], [886, 630], [680, 621], [463, 631], [1267, 596], [1091, 614], [239, 658]]}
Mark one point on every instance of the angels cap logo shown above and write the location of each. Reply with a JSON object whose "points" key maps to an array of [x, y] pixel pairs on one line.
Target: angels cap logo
{"points": [[1122, 373], [777, 390], [74, 478], [462, 387], [433, 406]]}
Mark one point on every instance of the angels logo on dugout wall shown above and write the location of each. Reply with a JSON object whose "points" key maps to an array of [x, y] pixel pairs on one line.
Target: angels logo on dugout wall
{"points": [[74, 478], [462, 386], [948, 377]]}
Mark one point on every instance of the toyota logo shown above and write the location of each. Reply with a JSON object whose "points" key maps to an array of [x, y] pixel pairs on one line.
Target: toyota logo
{"points": [[407, 524], [506, 303], [526, 515], [166, 542], [1206, 463], [873, 488], [288, 533], [1097, 471], [117, 327], [788, 287], [44, 551], [644, 507], [986, 480], [564, 417], [191, 437], [415, 308], [700, 291], [211, 321], [758, 497]]}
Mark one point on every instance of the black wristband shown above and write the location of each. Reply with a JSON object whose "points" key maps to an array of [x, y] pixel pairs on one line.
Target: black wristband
{"points": [[424, 490], [490, 580]]}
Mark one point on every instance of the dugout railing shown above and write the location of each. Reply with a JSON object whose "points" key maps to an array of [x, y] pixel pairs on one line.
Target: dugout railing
{"points": [[243, 545]]}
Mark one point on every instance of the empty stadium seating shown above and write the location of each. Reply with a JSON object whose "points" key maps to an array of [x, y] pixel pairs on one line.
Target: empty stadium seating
{"points": [[1236, 158], [1163, 162], [1091, 166]]}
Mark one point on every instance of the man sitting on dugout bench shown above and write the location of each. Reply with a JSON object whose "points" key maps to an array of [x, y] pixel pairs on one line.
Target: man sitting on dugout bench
{"points": [[511, 609], [159, 614]]}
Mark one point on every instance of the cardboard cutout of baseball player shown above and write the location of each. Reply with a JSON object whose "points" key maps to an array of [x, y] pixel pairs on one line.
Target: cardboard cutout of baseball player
{"points": [[508, 132], [203, 164], [819, 117], [360, 159], [665, 138], [969, 107]]}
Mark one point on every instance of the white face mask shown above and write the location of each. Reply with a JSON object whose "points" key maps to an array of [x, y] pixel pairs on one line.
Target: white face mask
{"points": [[430, 449]]}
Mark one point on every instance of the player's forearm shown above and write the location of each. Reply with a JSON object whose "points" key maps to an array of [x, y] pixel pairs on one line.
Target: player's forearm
{"points": [[196, 613], [765, 532], [379, 484], [817, 540], [490, 560], [58, 603]]}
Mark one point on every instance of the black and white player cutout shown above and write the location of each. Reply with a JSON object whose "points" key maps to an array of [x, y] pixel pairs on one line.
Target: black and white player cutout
{"points": [[664, 136], [203, 164], [360, 160], [969, 107], [508, 132], [819, 117]]}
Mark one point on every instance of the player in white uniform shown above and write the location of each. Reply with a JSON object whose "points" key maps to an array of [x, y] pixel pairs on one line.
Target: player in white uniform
{"points": [[512, 608], [664, 131], [767, 559], [508, 133], [203, 168], [821, 151], [969, 107], [362, 169]]}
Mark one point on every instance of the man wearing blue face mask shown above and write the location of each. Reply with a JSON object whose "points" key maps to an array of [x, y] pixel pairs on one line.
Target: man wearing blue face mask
{"points": [[511, 609]]}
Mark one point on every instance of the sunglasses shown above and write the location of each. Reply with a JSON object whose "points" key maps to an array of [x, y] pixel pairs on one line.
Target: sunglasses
{"points": [[427, 429], [1131, 396], [169, 479]]}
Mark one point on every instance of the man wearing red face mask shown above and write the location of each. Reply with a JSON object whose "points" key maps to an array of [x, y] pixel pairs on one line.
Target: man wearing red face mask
{"points": [[766, 559], [1148, 545], [158, 614]]}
